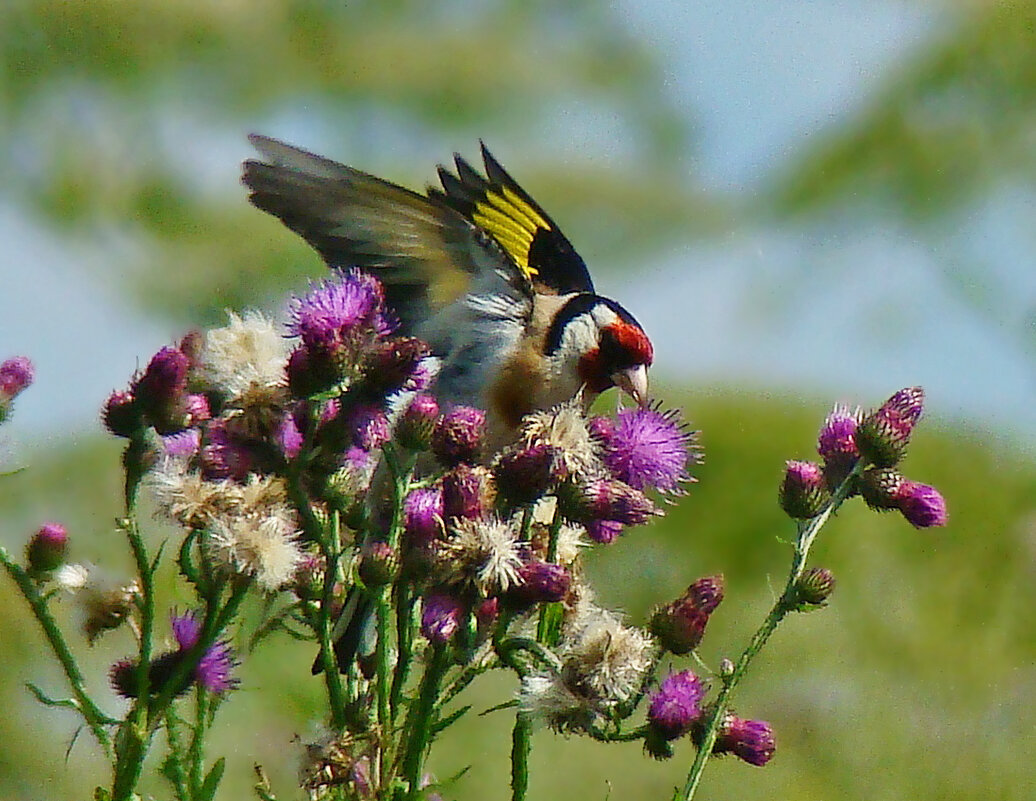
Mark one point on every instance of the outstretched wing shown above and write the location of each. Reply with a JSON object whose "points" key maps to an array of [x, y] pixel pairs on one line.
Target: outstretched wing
{"points": [[501, 208], [425, 252]]}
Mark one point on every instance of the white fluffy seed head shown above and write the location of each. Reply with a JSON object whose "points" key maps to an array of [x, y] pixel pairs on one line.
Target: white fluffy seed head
{"points": [[483, 553], [245, 357], [564, 428], [603, 659], [263, 546]]}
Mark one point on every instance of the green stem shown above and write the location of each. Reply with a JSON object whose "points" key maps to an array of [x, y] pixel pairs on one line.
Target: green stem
{"points": [[175, 760], [197, 753], [383, 616], [405, 639], [93, 716], [786, 603], [521, 746], [421, 719], [332, 548]]}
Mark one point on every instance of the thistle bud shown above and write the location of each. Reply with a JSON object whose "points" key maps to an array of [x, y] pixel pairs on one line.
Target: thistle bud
{"points": [[414, 431], [749, 740], [16, 374], [815, 586], [458, 436], [164, 381], [122, 416], [391, 365], [923, 506], [47, 549], [441, 618], [308, 581], [836, 443], [803, 492], [310, 372], [466, 493], [680, 625], [606, 499], [603, 531], [676, 707], [368, 426], [883, 435], [379, 564], [540, 582], [880, 487], [527, 474], [423, 517]]}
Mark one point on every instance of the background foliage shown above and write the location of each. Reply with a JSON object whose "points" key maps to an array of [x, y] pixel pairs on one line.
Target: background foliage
{"points": [[123, 128]]}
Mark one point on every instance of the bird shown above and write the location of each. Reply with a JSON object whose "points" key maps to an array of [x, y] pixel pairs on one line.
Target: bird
{"points": [[476, 269]]}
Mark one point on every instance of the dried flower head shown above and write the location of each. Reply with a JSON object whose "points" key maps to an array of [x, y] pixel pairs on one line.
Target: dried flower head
{"points": [[244, 358], [263, 546], [484, 553], [605, 660], [564, 428]]}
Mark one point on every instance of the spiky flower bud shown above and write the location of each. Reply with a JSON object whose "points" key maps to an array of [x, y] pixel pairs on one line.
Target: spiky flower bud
{"points": [[458, 436], [676, 706], [923, 506], [606, 499], [836, 443], [525, 475], [391, 365], [815, 586], [47, 549], [603, 531], [16, 374], [417, 423], [466, 493], [122, 416], [540, 582], [680, 624], [883, 435], [368, 426], [749, 740], [379, 564], [880, 487], [803, 491], [308, 581], [163, 383], [423, 517]]}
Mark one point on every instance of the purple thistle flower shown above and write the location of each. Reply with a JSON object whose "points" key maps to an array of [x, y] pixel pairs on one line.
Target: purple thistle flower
{"points": [[464, 493], [223, 456], [182, 443], [884, 434], [47, 548], [923, 506], [338, 307], [604, 531], [803, 492], [675, 708], [441, 616], [288, 437], [213, 671], [540, 582], [368, 426], [646, 447], [749, 740], [392, 366], [459, 435], [423, 516], [836, 443], [16, 374]]}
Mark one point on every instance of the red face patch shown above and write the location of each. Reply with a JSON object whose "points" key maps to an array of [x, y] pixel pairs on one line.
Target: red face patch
{"points": [[622, 346]]}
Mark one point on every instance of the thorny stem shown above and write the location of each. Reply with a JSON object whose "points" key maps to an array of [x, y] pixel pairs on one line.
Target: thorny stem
{"points": [[332, 548], [93, 716], [417, 746], [785, 603], [520, 749]]}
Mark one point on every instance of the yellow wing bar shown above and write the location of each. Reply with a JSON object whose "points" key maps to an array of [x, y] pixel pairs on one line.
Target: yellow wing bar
{"points": [[512, 222]]}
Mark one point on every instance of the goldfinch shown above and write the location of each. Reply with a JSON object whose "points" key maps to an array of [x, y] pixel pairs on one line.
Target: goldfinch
{"points": [[476, 269]]}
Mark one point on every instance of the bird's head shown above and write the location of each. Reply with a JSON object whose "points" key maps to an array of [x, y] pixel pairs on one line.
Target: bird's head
{"points": [[603, 344]]}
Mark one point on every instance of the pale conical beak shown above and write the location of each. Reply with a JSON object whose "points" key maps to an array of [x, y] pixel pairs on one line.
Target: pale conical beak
{"points": [[634, 382]]}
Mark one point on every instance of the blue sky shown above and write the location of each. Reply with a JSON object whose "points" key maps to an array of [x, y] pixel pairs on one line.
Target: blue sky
{"points": [[844, 310]]}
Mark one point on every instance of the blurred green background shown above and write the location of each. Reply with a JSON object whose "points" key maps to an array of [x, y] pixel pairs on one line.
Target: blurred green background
{"points": [[803, 202]]}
